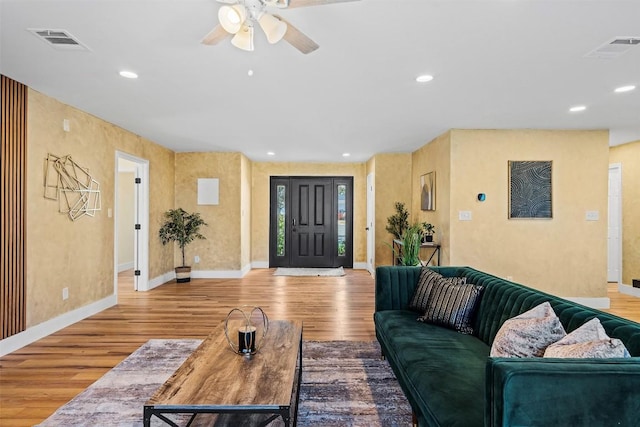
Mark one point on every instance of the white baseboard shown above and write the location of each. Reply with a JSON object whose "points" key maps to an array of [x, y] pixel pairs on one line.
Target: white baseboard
{"points": [[220, 274], [43, 329], [160, 280], [260, 264], [125, 266], [628, 290], [360, 266], [598, 303]]}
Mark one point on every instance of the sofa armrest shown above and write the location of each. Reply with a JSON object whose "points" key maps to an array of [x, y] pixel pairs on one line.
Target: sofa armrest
{"points": [[554, 392], [395, 286]]}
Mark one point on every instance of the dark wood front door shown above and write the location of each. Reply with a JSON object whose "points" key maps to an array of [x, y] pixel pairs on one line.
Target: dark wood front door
{"points": [[311, 222]]}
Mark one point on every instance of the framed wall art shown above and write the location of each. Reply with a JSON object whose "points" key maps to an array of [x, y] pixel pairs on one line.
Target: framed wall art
{"points": [[428, 191], [530, 195]]}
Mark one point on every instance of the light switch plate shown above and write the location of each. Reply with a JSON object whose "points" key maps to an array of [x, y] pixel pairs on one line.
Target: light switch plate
{"points": [[464, 215], [592, 215]]}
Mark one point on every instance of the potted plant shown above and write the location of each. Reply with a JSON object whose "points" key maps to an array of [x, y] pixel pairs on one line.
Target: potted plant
{"points": [[411, 240], [398, 222], [183, 228], [428, 230], [408, 248]]}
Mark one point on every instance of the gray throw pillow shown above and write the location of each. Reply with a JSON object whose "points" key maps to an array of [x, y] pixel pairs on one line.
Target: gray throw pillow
{"points": [[588, 341], [452, 305], [528, 334], [424, 287]]}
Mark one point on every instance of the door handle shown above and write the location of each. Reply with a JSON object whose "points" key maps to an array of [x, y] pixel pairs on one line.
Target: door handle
{"points": [[294, 222]]}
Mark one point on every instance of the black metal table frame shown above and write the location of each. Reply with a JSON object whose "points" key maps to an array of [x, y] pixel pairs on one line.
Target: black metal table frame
{"points": [[281, 411]]}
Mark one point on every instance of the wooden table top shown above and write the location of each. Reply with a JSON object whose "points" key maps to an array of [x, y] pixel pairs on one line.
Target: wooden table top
{"points": [[214, 377]]}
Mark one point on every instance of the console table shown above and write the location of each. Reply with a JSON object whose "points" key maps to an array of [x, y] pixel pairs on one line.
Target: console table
{"points": [[433, 246]]}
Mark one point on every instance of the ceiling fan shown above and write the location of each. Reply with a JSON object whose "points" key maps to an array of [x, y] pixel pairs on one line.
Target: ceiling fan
{"points": [[237, 18]]}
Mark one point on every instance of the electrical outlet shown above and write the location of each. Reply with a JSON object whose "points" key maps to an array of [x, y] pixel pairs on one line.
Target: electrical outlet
{"points": [[65, 293], [196, 259], [509, 278]]}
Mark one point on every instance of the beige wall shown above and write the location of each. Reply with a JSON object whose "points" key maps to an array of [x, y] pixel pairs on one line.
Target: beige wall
{"points": [[261, 171], [566, 255], [436, 157], [392, 184], [245, 212], [222, 248], [628, 155], [79, 254]]}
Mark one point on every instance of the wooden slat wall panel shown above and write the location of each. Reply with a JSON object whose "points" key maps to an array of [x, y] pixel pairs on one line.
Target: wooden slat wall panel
{"points": [[13, 208]]}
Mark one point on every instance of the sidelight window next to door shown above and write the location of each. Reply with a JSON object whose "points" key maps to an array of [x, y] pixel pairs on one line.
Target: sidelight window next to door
{"points": [[311, 222]]}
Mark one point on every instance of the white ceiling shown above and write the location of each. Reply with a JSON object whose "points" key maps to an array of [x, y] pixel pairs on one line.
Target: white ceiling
{"points": [[496, 64]]}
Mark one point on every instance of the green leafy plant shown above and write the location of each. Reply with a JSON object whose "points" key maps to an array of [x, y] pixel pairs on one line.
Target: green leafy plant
{"points": [[408, 252], [398, 222], [411, 240], [181, 227]]}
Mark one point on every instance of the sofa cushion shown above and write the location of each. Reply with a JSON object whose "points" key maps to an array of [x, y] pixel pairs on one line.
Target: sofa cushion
{"points": [[438, 368], [452, 305], [428, 278], [528, 334], [588, 341]]}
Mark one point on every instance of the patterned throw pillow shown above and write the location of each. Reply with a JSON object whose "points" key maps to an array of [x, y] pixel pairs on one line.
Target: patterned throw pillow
{"points": [[588, 341], [426, 281], [528, 334], [452, 305]]}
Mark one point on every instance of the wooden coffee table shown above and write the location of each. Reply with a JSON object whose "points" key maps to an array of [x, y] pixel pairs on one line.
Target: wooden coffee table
{"points": [[242, 390]]}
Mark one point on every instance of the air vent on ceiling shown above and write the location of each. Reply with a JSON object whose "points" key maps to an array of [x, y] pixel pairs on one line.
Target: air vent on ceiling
{"points": [[59, 39], [614, 48]]}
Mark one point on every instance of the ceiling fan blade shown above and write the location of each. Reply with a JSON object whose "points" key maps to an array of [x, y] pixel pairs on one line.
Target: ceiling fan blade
{"points": [[215, 36], [305, 3], [297, 38]]}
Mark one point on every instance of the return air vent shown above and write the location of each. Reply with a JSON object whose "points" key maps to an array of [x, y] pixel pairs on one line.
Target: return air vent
{"points": [[59, 39], [614, 48]]}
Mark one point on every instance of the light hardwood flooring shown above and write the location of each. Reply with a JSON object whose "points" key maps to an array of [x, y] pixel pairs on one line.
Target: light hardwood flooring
{"points": [[39, 378]]}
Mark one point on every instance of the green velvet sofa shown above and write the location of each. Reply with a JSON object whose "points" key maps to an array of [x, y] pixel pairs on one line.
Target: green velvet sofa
{"points": [[450, 380]]}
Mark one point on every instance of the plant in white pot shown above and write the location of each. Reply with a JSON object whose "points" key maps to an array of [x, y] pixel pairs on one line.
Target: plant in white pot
{"points": [[183, 228]]}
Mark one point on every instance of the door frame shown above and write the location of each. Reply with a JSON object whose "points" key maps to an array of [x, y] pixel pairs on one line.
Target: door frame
{"points": [[141, 236], [615, 220], [285, 261]]}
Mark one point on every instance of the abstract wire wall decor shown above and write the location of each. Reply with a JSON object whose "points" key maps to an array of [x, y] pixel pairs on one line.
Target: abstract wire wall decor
{"points": [[71, 185], [530, 195]]}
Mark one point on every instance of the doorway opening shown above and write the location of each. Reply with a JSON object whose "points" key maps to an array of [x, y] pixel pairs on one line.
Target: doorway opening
{"points": [[311, 222], [131, 224]]}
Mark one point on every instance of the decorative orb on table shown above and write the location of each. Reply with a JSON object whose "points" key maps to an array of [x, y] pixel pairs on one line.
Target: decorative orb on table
{"points": [[245, 329]]}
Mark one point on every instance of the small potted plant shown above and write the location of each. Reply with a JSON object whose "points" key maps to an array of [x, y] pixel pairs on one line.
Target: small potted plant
{"points": [[427, 231], [183, 228]]}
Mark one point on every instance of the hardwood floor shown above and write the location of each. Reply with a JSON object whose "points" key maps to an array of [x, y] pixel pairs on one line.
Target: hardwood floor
{"points": [[39, 378]]}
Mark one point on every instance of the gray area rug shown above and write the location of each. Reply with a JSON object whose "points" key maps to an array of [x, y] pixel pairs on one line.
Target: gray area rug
{"points": [[327, 272], [344, 383]]}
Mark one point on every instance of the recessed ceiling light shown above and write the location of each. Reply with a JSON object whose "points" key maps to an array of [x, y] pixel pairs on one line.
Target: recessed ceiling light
{"points": [[424, 78], [622, 89], [577, 108], [128, 74], [346, 154], [270, 153]]}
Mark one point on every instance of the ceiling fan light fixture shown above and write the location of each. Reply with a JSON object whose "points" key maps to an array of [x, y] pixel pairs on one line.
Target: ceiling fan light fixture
{"points": [[273, 28], [232, 17], [244, 38]]}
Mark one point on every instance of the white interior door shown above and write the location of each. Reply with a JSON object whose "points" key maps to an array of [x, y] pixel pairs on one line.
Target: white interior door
{"points": [[141, 226], [371, 247], [614, 241]]}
